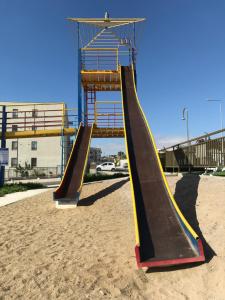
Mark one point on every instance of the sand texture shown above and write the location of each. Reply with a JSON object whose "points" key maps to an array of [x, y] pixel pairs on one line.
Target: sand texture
{"points": [[88, 252]]}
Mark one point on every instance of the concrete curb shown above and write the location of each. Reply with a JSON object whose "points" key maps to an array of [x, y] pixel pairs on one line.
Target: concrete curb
{"points": [[18, 196]]}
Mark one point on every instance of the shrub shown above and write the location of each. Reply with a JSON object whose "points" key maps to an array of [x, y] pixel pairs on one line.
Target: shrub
{"points": [[19, 187], [99, 177]]}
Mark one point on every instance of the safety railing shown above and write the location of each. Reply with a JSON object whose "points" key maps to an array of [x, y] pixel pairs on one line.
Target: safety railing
{"points": [[99, 59], [208, 153], [32, 117], [107, 114]]}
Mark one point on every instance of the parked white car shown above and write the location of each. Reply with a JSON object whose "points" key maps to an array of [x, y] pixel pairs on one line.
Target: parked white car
{"points": [[106, 166]]}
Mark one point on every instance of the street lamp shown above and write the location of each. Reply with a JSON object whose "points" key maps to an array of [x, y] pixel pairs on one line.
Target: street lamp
{"points": [[220, 101], [185, 118]]}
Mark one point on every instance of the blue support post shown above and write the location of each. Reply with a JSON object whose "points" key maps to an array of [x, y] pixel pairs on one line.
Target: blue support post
{"points": [[134, 53], [79, 90], [134, 35], [134, 64], [3, 143], [62, 153], [85, 108]]}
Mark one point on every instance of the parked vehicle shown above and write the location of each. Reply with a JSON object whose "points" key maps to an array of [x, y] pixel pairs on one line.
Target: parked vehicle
{"points": [[106, 166], [123, 163]]}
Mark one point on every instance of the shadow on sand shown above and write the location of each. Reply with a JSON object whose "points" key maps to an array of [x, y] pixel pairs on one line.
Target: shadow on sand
{"points": [[186, 194], [103, 193]]}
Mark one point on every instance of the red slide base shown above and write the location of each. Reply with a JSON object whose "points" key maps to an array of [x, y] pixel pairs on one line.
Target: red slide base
{"points": [[169, 262]]}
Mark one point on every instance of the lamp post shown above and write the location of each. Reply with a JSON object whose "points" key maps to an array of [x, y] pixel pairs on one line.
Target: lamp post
{"points": [[220, 101], [185, 118]]}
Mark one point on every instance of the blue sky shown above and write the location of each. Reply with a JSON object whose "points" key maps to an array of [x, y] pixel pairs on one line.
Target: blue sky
{"points": [[181, 59]]}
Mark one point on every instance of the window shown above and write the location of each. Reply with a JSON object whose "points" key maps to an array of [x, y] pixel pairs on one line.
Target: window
{"points": [[34, 113], [14, 127], [33, 162], [34, 127], [33, 145], [13, 162], [14, 145], [15, 113]]}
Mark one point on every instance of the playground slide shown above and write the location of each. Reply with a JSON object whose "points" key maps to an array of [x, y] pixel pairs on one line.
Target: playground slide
{"points": [[71, 184], [163, 236]]}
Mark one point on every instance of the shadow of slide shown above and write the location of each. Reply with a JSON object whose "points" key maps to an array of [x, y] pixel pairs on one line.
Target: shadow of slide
{"points": [[101, 194], [186, 194]]}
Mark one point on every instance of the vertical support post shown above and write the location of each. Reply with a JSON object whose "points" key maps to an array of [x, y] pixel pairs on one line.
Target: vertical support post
{"points": [[85, 107], [79, 91], [62, 152], [134, 54], [134, 64], [134, 35], [62, 140], [95, 112], [3, 143]]}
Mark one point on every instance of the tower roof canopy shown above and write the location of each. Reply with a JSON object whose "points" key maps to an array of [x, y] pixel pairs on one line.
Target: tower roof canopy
{"points": [[106, 22]]}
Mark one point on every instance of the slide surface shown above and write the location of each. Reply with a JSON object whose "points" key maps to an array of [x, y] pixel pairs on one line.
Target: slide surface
{"points": [[163, 236], [71, 184]]}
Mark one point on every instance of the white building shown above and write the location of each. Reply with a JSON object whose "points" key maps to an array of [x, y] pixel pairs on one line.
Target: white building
{"points": [[44, 154]]}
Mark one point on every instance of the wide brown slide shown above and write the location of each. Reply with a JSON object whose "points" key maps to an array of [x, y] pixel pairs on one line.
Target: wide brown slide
{"points": [[163, 236], [71, 184]]}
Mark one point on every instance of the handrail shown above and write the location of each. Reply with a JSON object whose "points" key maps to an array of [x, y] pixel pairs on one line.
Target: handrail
{"points": [[194, 139]]}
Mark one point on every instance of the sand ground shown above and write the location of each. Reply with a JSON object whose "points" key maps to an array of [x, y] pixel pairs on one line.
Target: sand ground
{"points": [[88, 252]]}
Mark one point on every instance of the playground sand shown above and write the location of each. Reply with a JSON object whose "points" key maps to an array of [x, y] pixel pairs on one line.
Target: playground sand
{"points": [[88, 252]]}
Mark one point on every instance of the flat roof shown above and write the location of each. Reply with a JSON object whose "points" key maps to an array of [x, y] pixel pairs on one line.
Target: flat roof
{"points": [[106, 22]]}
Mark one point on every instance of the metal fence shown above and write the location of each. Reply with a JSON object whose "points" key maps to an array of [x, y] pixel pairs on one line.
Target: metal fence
{"points": [[39, 172], [205, 154]]}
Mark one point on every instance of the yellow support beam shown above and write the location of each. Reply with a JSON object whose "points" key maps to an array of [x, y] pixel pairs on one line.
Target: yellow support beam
{"points": [[99, 72], [97, 133], [39, 133], [108, 132]]}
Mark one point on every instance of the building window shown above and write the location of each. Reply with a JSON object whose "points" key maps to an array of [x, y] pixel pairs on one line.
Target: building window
{"points": [[33, 162], [34, 127], [14, 145], [14, 127], [34, 113], [15, 113], [33, 145], [13, 162]]}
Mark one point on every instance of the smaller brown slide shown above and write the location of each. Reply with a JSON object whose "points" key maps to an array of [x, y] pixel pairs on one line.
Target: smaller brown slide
{"points": [[71, 184]]}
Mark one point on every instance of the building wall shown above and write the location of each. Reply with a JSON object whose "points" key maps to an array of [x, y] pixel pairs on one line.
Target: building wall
{"points": [[49, 149], [95, 154]]}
